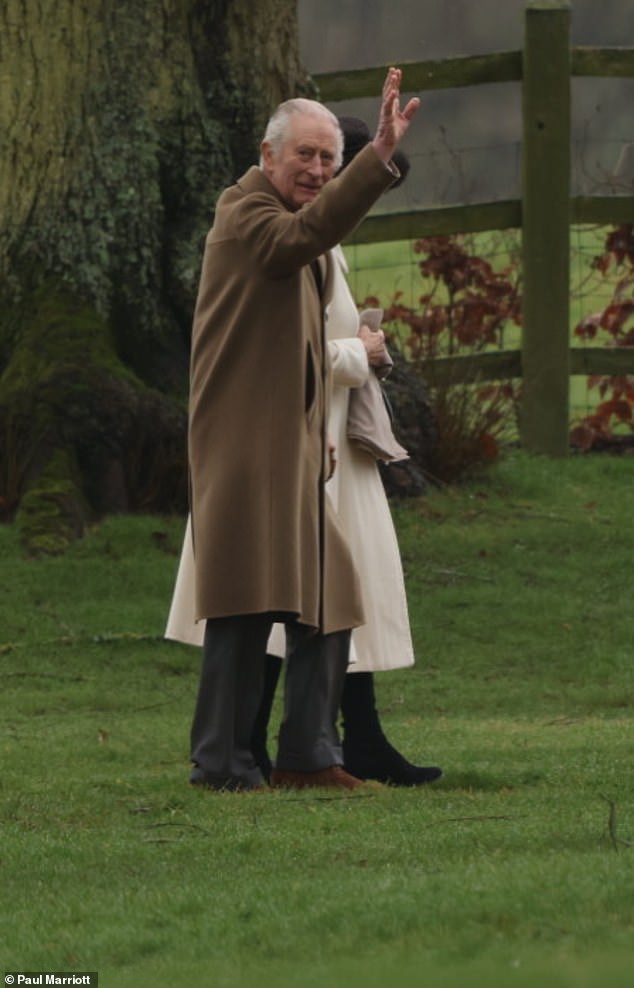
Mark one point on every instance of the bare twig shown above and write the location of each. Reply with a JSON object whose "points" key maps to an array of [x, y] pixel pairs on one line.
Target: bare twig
{"points": [[616, 840], [183, 826], [460, 819]]}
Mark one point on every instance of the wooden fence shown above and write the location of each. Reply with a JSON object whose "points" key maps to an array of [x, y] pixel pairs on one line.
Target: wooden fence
{"points": [[544, 213]]}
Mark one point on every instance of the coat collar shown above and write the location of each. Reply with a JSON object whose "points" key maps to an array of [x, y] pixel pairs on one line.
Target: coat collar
{"points": [[254, 180]]}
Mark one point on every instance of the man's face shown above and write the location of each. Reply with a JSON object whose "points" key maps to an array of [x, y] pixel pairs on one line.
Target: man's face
{"points": [[306, 161]]}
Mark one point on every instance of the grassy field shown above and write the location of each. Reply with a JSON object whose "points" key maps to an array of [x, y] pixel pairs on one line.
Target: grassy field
{"points": [[517, 868]]}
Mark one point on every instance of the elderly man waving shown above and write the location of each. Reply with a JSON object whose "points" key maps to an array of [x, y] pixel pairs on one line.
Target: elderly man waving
{"points": [[266, 543]]}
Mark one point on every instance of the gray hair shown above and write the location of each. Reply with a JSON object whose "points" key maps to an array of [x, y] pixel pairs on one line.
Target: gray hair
{"points": [[276, 132]]}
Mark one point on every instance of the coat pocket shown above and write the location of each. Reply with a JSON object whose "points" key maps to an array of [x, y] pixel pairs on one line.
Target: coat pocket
{"points": [[310, 380]]}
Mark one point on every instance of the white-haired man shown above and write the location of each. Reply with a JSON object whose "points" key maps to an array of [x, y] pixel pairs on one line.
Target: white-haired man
{"points": [[266, 543]]}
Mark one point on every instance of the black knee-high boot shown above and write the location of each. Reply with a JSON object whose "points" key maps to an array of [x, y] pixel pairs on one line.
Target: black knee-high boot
{"points": [[367, 753], [272, 668]]}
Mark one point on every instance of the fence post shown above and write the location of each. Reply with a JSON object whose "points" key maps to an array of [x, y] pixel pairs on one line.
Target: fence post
{"points": [[546, 227]]}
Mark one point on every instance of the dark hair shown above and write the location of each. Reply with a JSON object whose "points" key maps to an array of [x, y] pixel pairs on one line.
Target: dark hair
{"points": [[356, 134]]}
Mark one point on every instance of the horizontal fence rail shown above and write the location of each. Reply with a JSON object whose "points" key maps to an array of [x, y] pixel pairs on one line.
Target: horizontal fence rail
{"points": [[616, 63], [448, 73], [467, 70], [503, 214], [504, 364]]}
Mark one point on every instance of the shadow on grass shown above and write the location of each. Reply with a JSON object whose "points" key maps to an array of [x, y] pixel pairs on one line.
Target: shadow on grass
{"points": [[487, 781]]}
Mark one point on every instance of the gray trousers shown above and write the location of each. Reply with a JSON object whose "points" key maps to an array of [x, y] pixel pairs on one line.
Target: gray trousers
{"points": [[230, 690], [316, 668]]}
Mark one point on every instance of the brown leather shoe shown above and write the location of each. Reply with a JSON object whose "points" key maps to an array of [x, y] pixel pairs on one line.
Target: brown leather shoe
{"points": [[334, 777]]}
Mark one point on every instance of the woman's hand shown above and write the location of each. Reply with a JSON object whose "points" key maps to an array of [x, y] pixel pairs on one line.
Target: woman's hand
{"points": [[374, 343]]}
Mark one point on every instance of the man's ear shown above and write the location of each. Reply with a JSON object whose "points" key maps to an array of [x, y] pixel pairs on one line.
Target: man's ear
{"points": [[266, 153]]}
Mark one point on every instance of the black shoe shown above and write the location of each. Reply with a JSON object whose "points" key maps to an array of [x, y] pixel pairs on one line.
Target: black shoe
{"points": [[385, 764]]}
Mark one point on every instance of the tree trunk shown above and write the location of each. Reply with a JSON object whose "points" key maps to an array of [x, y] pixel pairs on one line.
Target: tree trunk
{"points": [[120, 123]]}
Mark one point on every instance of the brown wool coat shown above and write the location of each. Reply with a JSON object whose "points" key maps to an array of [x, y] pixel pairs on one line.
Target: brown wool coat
{"points": [[264, 536]]}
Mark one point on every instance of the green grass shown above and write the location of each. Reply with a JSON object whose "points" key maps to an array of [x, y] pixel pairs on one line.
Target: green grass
{"points": [[507, 872]]}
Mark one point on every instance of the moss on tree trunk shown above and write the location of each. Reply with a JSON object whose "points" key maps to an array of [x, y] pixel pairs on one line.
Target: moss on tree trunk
{"points": [[120, 124]]}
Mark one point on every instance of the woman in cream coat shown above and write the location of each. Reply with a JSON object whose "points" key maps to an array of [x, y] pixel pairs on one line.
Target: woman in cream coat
{"points": [[384, 642]]}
